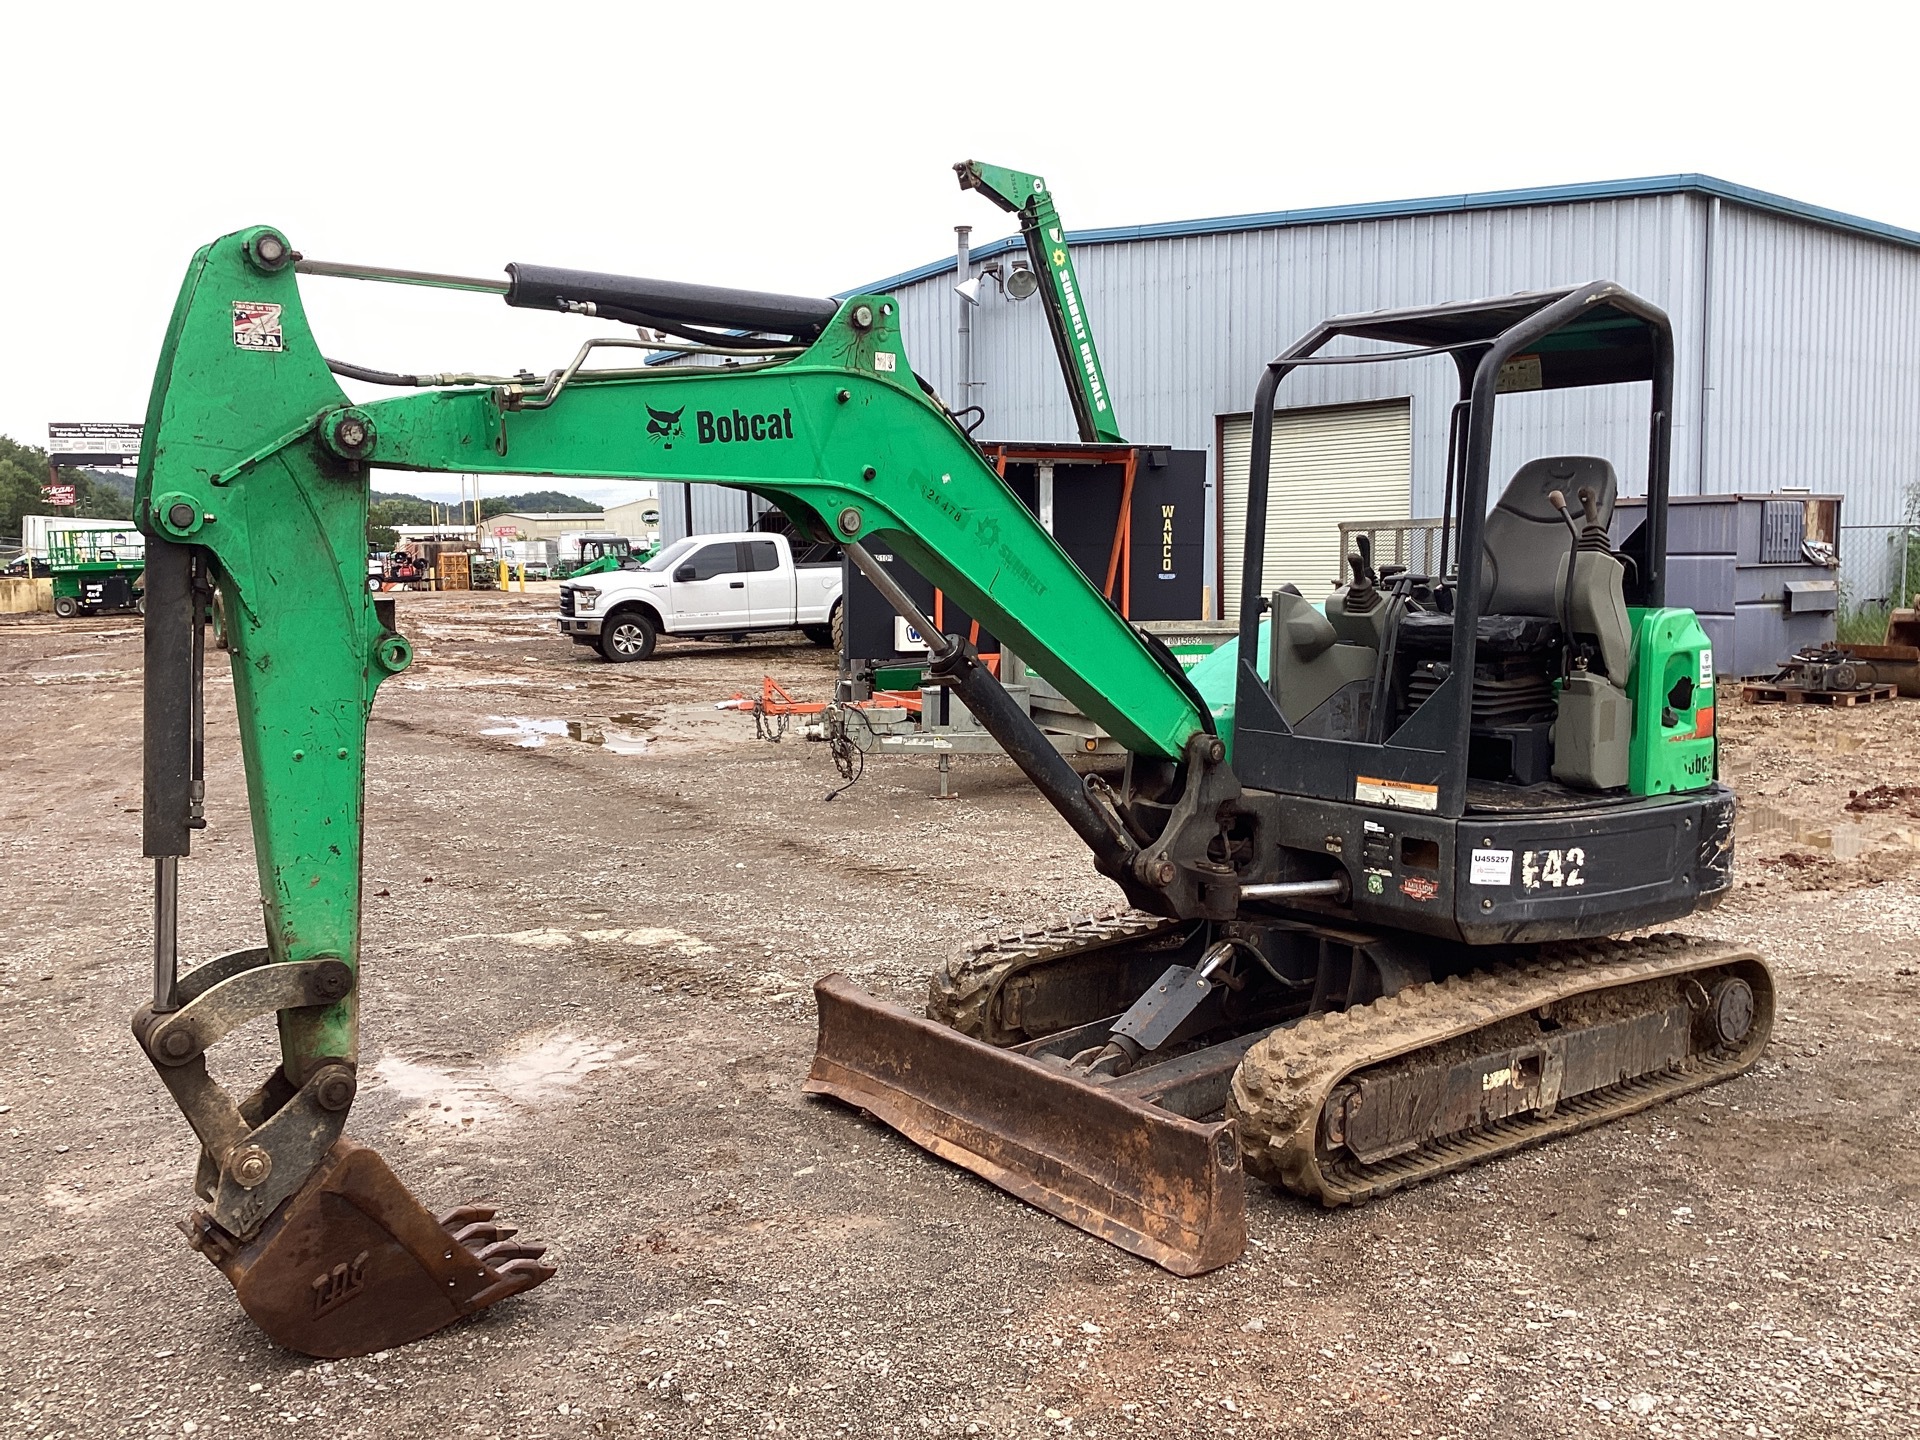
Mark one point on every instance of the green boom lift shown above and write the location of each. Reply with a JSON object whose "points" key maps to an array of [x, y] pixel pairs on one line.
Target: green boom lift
{"points": [[1373, 854], [1028, 197]]}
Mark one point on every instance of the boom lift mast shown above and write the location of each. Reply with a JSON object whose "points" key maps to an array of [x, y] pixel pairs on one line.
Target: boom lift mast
{"points": [[1260, 919], [1046, 239]]}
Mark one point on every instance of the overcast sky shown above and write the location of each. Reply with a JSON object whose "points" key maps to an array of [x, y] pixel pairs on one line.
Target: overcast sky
{"points": [[807, 147]]}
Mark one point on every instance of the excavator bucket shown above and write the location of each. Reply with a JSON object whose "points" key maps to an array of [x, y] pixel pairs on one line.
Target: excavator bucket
{"points": [[1110, 1161], [351, 1263]]}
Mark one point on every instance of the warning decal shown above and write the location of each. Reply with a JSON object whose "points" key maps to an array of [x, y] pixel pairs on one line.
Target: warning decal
{"points": [[256, 325], [1398, 794]]}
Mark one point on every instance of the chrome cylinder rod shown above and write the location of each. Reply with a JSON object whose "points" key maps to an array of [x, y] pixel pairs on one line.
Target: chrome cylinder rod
{"points": [[391, 276], [938, 645], [1334, 889], [166, 934]]}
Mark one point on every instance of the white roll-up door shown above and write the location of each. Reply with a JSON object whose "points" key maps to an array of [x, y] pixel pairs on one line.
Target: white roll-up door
{"points": [[1347, 462]]}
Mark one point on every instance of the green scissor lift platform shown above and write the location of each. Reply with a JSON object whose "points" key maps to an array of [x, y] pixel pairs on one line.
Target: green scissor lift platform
{"points": [[96, 570]]}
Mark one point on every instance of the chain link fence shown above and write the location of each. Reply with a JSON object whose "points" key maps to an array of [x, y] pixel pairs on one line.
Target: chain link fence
{"points": [[1879, 572]]}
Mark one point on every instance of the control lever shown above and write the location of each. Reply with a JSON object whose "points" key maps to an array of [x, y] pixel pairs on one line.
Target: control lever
{"points": [[1559, 502], [1361, 594]]}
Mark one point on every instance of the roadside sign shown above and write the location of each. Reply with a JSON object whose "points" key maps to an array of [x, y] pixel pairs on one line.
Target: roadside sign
{"points": [[58, 494], [108, 444], [505, 532]]}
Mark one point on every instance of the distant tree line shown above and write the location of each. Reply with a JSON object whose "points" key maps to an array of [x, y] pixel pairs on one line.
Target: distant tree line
{"points": [[103, 495], [23, 475]]}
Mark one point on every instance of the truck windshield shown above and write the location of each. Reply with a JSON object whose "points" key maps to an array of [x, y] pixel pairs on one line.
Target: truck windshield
{"points": [[669, 557]]}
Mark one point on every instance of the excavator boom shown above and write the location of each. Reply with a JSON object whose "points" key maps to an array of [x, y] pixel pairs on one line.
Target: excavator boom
{"points": [[253, 483]]}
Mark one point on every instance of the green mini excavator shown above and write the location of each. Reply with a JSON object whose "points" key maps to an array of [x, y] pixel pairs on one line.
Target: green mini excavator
{"points": [[1372, 854]]}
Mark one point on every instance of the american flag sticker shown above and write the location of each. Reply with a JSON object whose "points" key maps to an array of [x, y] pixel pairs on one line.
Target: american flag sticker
{"points": [[256, 326]]}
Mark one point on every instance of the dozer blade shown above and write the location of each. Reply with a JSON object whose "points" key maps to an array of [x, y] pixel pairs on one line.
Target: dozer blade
{"points": [[1167, 1188], [351, 1263]]}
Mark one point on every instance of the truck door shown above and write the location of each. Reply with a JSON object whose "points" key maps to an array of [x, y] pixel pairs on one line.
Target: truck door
{"points": [[710, 588], [769, 587]]}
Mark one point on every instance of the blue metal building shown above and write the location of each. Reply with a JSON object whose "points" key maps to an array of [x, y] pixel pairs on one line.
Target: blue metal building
{"points": [[1798, 331]]}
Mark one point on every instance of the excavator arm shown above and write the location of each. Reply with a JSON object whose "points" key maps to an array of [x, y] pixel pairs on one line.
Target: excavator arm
{"points": [[253, 484]]}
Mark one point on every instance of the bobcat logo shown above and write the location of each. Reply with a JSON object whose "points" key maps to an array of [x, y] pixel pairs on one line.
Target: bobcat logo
{"points": [[665, 424], [989, 531]]}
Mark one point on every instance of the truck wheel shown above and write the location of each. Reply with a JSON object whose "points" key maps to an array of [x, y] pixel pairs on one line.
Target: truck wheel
{"points": [[837, 630], [65, 606], [818, 634], [627, 636]]}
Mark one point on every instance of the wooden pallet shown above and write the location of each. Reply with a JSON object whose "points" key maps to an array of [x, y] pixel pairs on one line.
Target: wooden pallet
{"points": [[1794, 695]]}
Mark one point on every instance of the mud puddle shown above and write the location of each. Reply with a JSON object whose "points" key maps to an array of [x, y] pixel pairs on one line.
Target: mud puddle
{"points": [[623, 734]]}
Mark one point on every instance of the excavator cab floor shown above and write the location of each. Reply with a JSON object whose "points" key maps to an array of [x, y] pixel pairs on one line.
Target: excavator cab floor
{"points": [[352, 1263]]}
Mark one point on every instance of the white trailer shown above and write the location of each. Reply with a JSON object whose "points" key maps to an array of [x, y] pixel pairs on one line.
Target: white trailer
{"points": [[34, 530]]}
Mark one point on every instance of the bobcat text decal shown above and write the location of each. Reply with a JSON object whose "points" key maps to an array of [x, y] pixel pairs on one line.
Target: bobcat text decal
{"points": [[729, 429]]}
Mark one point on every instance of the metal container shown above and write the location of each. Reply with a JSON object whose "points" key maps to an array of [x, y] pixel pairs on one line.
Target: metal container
{"points": [[1761, 571]]}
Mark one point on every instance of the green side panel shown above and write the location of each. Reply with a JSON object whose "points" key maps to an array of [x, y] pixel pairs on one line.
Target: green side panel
{"points": [[1673, 712], [900, 677], [1216, 675]]}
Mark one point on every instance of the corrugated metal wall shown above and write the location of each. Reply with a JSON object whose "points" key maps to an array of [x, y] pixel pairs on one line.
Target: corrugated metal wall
{"points": [[713, 510], [1813, 375], [1812, 338]]}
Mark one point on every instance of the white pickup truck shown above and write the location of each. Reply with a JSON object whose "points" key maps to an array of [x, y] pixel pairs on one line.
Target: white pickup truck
{"points": [[704, 585]]}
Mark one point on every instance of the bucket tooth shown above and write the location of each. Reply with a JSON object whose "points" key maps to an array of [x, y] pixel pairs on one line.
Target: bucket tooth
{"points": [[1162, 1186], [351, 1263]]}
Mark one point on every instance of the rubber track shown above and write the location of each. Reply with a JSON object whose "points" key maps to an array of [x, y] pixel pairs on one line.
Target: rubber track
{"points": [[1284, 1082], [962, 992]]}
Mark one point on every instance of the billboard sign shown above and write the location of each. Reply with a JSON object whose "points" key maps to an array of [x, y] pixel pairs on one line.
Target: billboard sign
{"points": [[58, 494], [107, 444]]}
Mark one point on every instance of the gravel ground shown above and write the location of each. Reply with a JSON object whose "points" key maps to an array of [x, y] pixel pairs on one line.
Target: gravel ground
{"points": [[587, 998]]}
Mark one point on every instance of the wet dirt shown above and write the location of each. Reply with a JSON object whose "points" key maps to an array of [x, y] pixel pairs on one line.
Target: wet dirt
{"points": [[587, 998]]}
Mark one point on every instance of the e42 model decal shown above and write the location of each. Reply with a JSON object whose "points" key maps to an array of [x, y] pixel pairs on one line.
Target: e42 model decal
{"points": [[1553, 869]]}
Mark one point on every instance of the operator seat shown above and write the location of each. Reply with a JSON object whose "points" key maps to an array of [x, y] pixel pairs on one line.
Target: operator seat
{"points": [[1525, 540]]}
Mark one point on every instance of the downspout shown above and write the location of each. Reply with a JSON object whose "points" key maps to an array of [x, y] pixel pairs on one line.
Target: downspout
{"points": [[963, 272], [1706, 348]]}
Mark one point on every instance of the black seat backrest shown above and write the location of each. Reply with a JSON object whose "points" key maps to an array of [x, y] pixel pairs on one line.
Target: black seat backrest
{"points": [[1525, 538]]}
